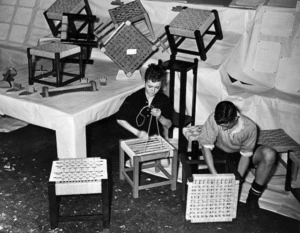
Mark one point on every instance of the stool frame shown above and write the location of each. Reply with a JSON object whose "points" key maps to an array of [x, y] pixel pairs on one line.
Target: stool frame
{"points": [[176, 40], [138, 166]]}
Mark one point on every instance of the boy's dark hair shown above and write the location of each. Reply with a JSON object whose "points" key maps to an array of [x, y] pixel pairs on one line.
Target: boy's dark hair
{"points": [[225, 112], [155, 73]]}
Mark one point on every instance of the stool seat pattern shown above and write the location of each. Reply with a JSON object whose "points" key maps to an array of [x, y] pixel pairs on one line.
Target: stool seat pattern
{"points": [[212, 198], [132, 11], [127, 38], [189, 20], [49, 50], [59, 7]]}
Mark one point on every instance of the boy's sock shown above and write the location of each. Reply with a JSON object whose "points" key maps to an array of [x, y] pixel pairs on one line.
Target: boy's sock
{"points": [[255, 193]]}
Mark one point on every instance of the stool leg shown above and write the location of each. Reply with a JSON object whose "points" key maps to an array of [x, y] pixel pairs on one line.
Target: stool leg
{"points": [[174, 170], [53, 205], [149, 25], [288, 179], [58, 70], [217, 25], [81, 68], [105, 204], [200, 45], [136, 177], [122, 162], [30, 71], [171, 41]]}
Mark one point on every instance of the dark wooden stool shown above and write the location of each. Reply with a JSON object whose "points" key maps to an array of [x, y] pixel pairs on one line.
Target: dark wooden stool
{"points": [[78, 177], [194, 24], [57, 52]]}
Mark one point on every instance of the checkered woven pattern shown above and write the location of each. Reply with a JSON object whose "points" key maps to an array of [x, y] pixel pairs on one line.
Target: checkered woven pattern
{"points": [[190, 20], [278, 139], [59, 7], [132, 11], [128, 37], [212, 198]]}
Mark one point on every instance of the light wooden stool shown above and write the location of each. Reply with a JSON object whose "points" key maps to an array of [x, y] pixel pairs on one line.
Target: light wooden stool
{"points": [[55, 51], [133, 12], [77, 177], [194, 24], [212, 198], [141, 151], [54, 13]]}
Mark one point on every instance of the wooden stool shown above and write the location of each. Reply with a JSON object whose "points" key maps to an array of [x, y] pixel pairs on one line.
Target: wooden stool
{"points": [[133, 12], [128, 48], [193, 24], [282, 143], [212, 198], [56, 51], [180, 119], [54, 13], [141, 151], [77, 177]]}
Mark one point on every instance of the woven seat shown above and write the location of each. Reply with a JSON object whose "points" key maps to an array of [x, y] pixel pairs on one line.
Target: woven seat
{"points": [[194, 24], [54, 13], [128, 48], [141, 152], [133, 12], [55, 51], [78, 177], [212, 198]]}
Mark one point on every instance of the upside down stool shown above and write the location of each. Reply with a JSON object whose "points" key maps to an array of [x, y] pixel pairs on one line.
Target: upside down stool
{"points": [[194, 24], [57, 52], [142, 152], [53, 14], [78, 177]]}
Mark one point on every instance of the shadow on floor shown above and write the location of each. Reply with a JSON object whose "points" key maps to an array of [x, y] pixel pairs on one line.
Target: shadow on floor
{"points": [[25, 164]]}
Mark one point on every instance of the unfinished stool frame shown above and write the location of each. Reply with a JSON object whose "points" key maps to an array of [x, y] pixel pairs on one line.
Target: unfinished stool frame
{"points": [[194, 24], [141, 151], [78, 177], [57, 52]]}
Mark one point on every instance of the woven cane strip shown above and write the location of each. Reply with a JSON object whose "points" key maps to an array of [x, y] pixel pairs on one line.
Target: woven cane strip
{"points": [[212, 198], [154, 145], [128, 38], [132, 11], [278, 139], [189, 20]]}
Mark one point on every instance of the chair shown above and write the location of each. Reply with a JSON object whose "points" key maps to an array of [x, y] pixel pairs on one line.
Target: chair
{"points": [[133, 12], [57, 52], [78, 177], [79, 30], [194, 24], [127, 47], [146, 154], [180, 119], [54, 13]]}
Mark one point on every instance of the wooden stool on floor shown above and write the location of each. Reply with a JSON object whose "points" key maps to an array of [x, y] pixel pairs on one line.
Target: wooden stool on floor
{"points": [[133, 12], [194, 24], [78, 177], [57, 52], [141, 151]]}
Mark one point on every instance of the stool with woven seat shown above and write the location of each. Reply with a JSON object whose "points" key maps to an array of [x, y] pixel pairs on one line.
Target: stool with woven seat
{"points": [[53, 14], [78, 177], [133, 12], [57, 52], [128, 48], [194, 24], [146, 154]]}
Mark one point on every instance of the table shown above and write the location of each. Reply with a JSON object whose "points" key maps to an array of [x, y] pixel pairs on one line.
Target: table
{"points": [[69, 114]]}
